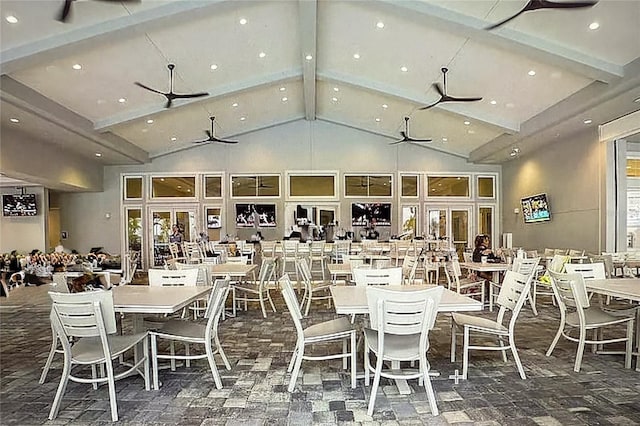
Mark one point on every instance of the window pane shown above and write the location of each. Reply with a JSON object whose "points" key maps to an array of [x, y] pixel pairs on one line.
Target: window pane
{"points": [[312, 186], [132, 187], [134, 229], [437, 224], [243, 186], [448, 186], [356, 186], [409, 186], [268, 186], [485, 220], [379, 186], [485, 187], [172, 186], [409, 216], [213, 186]]}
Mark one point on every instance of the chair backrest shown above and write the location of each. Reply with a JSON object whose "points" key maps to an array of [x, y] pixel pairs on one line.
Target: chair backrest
{"points": [[605, 259], [289, 295], [268, 249], [217, 298], [576, 253], [403, 312], [468, 257], [558, 262], [203, 271], [290, 249], [303, 269], [452, 271], [316, 249], [60, 282], [570, 291], [354, 261], [192, 251], [164, 277], [387, 276], [410, 265], [528, 266], [589, 271], [241, 260], [513, 293], [87, 314], [174, 249], [267, 269]]}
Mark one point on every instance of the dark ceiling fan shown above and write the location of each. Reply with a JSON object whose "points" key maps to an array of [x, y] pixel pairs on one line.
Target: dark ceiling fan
{"points": [[545, 4], [211, 135], [261, 183], [170, 95], [443, 93], [406, 137], [65, 12]]}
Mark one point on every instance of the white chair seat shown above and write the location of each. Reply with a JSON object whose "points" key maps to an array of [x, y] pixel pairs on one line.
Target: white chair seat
{"points": [[478, 323], [328, 328], [397, 347], [183, 328], [89, 349], [595, 317]]}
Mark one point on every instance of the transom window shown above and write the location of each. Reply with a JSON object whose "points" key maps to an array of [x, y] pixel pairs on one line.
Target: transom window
{"points": [[173, 186], [312, 186], [213, 186], [448, 186], [132, 187], [368, 185], [409, 185], [486, 187], [255, 186]]}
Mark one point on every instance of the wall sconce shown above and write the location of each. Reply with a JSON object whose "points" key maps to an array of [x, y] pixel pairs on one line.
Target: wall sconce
{"points": [[516, 210]]}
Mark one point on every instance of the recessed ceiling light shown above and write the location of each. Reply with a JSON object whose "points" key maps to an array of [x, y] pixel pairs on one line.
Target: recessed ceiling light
{"points": [[285, 99], [588, 121], [161, 179], [179, 186], [12, 19], [516, 149], [404, 69], [334, 99], [173, 139], [356, 56], [510, 105], [76, 66], [444, 139], [262, 54], [14, 120], [235, 104], [471, 131], [336, 89], [378, 120], [122, 100], [101, 102], [532, 73], [243, 21], [98, 154], [385, 106], [493, 102], [243, 118], [380, 24], [214, 67], [282, 89], [145, 130], [466, 123], [594, 26], [150, 121], [308, 57]]}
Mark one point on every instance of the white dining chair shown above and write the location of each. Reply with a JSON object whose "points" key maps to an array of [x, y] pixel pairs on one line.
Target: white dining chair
{"points": [[258, 290], [59, 285], [467, 286], [577, 314], [400, 322], [386, 276], [339, 329], [193, 332], [89, 319], [313, 290], [513, 294]]}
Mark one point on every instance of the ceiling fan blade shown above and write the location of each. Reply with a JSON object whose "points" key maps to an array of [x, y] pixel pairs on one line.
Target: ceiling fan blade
{"points": [[546, 4], [439, 89], [403, 134], [457, 99], [430, 106], [149, 88], [209, 134], [224, 141], [201, 142], [191, 95], [504, 21], [396, 142], [419, 140], [66, 9]]}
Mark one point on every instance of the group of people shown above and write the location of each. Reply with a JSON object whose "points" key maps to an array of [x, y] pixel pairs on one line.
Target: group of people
{"points": [[34, 267]]}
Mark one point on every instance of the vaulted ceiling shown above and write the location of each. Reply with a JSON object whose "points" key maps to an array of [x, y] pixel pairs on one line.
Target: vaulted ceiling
{"points": [[362, 64]]}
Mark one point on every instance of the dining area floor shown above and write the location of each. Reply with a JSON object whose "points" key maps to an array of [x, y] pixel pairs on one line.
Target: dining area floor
{"points": [[255, 389]]}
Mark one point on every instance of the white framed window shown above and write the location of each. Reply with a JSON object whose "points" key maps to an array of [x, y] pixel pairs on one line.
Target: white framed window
{"points": [[243, 186], [368, 185]]}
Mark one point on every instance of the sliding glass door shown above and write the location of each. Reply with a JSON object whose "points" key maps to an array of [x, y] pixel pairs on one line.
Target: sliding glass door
{"points": [[162, 220]]}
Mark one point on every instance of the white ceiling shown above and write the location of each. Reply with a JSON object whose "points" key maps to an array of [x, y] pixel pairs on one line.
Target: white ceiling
{"points": [[580, 73]]}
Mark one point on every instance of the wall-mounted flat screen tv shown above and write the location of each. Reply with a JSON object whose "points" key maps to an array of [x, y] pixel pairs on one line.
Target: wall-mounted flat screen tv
{"points": [[364, 214], [255, 215], [19, 205], [536, 208]]}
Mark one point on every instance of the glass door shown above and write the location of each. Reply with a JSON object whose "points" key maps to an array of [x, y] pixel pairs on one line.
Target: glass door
{"points": [[162, 220], [452, 223]]}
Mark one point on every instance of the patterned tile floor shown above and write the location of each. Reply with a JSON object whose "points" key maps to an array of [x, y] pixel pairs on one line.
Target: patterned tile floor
{"points": [[255, 390]]}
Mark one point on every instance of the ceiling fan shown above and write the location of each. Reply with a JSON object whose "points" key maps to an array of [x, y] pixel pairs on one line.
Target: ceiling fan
{"points": [[170, 95], [405, 135], [63, 16], [261, 183], [545, 4], [211, 135], [443, 93]]}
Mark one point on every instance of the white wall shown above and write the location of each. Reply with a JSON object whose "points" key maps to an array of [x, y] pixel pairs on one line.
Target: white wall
{"points": [[571, 172], [300, 145], [25, 233]]}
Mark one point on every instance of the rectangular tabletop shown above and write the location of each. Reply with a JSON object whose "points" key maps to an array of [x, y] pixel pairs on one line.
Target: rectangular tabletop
{"points": [[353, 299], [234, 270], [626, 288], [485, 267], [142, 299]]}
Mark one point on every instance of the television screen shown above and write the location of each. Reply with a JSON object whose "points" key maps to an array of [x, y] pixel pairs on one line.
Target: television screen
{"points": [[364, 214], [19, 205], [535, 208], [214, 221], [248, 214]]}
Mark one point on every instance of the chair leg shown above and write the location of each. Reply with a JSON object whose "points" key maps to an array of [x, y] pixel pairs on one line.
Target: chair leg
{"points": [[629, 346], [212, 365], [66, 370], [504, 349], [273, 307], [296, 368], [465, 353], [52, 352], [293, 359], [172, 349], [376, 383], [580, 352], [555, 339], [264, 311], [431, 396], [221, 352], [453, 340], [154, 360], [112, 391], [514, 351], [94, 385], [187, 352], [353, 360], [533, 304], [145, 348], [344, 351]]}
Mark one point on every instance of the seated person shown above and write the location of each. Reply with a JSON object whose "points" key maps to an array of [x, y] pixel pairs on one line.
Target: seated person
{"points": [[372, 234], [483, 248]]}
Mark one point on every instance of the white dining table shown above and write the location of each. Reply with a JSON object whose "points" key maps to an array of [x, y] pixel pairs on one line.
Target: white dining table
{"points": [[350, 300]]}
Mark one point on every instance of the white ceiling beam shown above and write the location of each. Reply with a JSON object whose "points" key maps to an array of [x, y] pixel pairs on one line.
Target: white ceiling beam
{"points": [[507, 39], [52, 48], [307, 13], [187, 146], [409, 96], [234, 88]]}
